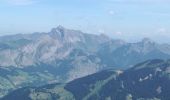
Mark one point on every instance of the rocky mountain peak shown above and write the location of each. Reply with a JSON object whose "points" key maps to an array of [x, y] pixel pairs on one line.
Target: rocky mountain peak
{"points": [[60, 27], [59, 31]]}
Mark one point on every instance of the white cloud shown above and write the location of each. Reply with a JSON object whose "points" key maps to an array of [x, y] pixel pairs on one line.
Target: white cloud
{"points": [[101, 31], [111, 12], [118, 33], [21, 2], [140, 1], [162, 30]]}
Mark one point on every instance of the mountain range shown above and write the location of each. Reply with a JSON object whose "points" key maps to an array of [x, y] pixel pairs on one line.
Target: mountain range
{"points": [[62, 55], [148, 80]]}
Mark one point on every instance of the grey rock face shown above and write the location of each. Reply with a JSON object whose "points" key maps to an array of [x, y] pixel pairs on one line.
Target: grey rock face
{"points": [[62, 55]]}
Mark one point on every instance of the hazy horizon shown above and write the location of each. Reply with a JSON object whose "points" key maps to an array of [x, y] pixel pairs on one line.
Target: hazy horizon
{"points": [[115, 38], [129, 20]]}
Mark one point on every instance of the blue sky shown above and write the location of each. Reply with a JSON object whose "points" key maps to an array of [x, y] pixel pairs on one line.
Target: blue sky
{"points": [[125, 19]]}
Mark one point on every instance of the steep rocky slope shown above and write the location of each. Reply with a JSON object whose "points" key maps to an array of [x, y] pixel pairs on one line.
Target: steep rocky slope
{"points": [[62, 55]]}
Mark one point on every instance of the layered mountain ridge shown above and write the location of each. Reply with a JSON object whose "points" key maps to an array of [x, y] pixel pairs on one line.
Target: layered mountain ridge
{"points": [[148, 80], [62, 55]]}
